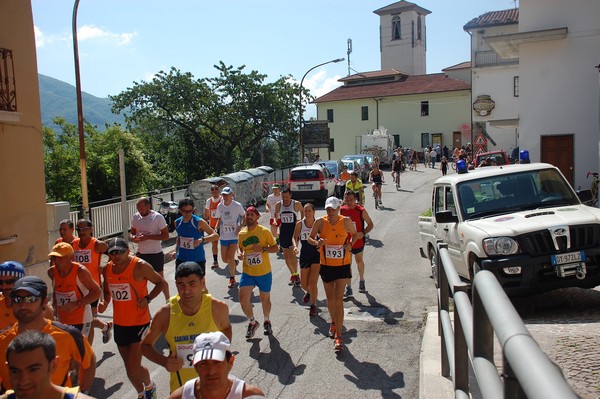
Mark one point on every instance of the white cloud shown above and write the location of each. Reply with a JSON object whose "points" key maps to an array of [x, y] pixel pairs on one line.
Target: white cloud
{"points": [[40, 39], [89, 32], [319, 84]]}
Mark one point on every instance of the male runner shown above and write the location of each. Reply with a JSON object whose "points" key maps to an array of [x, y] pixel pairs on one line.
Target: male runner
{"points": [[355, 185], [126, 283], [210, 214], [272, 200], [230, 217], [255, 243], [66, 228], [359, 216], [191, 312], [289, 211], [10, 272]]}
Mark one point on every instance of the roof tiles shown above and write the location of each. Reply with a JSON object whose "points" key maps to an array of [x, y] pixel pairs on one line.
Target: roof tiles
{"points": [[494, 18]]}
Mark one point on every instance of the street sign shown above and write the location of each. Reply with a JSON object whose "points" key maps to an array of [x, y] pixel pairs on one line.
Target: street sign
{"points": [[480, 140], [315, 134]]}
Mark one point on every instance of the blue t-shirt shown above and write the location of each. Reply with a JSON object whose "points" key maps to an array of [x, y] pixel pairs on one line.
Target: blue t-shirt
{"points": [[188, 232]]}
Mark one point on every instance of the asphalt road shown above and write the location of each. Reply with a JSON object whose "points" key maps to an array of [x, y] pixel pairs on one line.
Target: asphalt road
{"points": [[383, 327]]}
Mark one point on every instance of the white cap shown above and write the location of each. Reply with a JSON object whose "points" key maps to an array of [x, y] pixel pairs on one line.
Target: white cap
{"points": [[210, 346], [333, 202], [226, 191]]}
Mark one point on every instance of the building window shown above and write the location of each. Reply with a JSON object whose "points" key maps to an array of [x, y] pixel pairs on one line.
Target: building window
{"points": [[331, 145], [8, 92], [424, 140], [419, 28], [516, 86], [412, 32], [396, 32], [424, 108], [329, 115], [364, 113]]}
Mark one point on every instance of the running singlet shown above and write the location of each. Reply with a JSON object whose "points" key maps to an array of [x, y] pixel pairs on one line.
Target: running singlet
{"points": [[125, 292], [7, 318], [188, 232], [256, 263], [70, 345], [181, 334], [272, 200], [333, 252], [377, 178], [211, 205], [68, 393], [231, 217], [236, 391], [288, 217], [88, 257], [356, 215], [69, 289], [307, 250]]}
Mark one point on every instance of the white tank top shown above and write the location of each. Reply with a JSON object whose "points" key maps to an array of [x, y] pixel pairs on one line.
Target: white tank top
{"points": [[236, 391]]}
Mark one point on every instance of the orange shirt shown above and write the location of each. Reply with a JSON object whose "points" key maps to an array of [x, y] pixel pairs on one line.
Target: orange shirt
{"points": [[212, 210], [69, 289], [345, 176], [88, 257], [334, 253], [125, 292], [70, 344], [7, 318]]}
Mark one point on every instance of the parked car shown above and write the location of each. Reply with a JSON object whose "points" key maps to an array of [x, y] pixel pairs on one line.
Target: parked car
{"points": [[312, 182], [363, 162], [335, 167], [498, 157]]}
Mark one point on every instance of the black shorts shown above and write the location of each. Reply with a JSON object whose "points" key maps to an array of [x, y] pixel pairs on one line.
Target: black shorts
{"points": [[332, 273], [157, 260], [357, 250], [307, 261], [127, 335]]}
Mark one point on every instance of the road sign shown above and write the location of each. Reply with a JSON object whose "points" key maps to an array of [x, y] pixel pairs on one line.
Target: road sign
{"points": [[480, 140]]}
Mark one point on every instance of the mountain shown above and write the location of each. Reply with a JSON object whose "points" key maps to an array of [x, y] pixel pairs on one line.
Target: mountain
{"points": [[58, 98]]}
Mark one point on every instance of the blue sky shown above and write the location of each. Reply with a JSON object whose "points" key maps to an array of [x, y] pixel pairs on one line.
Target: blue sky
{"points": [[125, 41]]}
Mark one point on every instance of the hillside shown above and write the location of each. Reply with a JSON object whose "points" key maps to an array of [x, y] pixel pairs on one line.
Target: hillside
{"points": [[58, 98]]}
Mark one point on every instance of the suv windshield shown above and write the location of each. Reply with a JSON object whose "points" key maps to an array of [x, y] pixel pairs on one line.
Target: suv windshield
{"points": [[512, 193]]}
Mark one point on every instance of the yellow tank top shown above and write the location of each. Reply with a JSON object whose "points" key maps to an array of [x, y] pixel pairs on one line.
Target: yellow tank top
{"points": [[181, 333], [334, 253]]}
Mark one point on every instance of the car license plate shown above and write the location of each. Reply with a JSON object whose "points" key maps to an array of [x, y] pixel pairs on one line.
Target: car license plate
{"points": [[304, 186], [571, 257]]}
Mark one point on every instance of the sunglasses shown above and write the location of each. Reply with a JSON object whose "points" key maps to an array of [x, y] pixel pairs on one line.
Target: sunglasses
{"points": [[117, 252], [82, 228], [25, 299], [7, 282], [186, 210]]}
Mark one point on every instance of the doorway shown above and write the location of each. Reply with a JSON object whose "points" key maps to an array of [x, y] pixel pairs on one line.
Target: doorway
{"points": [[558, 151], [456, 142]]}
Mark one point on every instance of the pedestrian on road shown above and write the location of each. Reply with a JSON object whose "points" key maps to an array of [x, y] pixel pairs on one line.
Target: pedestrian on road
{"points": [[272, 200], [289, 211], [148, 230], [433, 155], [31, 358], [230, 217], [10, 272], [213, 362], [444, 166], [188, 314], [210, 214], [309, 258], [334, 235], [192, 233], [255, 244], [126, 283], [359, 217]]}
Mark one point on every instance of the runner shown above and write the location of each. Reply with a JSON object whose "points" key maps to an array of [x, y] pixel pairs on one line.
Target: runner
{"points": [[210, 211], [191, 312], [230, 216], [272, 200], [255, 243], [397, 170], [191, 230], [66, 228], [359, 216], [74, 289], [31, 357], [355, 185], [88, 252], [376, 176], [334, 235], [125, 281], [309, 258], [289, 211], [10, 272], [213, 362]]}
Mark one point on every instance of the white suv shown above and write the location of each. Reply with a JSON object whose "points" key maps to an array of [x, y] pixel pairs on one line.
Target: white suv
{"points": [[312, 182]]}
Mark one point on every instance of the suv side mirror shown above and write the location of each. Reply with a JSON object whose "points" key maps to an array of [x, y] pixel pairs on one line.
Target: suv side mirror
{"points": [[445, 217]]}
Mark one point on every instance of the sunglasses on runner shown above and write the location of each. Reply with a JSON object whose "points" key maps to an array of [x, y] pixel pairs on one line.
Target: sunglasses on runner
{"points": [[25, 299]]}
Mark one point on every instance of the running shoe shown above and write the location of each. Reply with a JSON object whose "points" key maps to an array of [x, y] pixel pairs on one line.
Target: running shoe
{"points": [[251, 329], [338, 347], [292, 280], [348, 293], [215, 265], [151, 393], [361, 286], [231, 282], [268, 328], [314, 310], [332, 330], [306, 298], [107, 333], [297, 281]]}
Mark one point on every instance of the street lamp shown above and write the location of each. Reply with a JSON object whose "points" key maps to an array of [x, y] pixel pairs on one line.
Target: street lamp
{"points": [[301, 82]]}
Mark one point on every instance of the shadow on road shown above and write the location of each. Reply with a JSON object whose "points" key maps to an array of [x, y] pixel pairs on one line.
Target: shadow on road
{"points": [[565, 306], [374, 242], [277, 362], [370, 376], [377, 309], [99, 389]]}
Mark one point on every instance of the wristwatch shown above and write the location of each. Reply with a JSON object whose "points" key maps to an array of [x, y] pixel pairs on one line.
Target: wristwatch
{"points": [[148, 298]]}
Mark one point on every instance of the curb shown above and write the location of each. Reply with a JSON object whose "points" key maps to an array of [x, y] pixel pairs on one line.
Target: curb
{"points": [[431, 383]]}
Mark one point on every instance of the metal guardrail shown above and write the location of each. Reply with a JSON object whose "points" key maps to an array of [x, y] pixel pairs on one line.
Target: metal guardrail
{"points": [[526, 370]]}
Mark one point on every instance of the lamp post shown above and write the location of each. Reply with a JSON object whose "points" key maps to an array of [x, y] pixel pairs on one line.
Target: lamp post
{"points": [[300, 96], [82, 166]]}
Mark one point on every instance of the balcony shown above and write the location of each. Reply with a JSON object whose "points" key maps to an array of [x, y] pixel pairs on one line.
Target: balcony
{"points": [[8, 92], [490, 58]]}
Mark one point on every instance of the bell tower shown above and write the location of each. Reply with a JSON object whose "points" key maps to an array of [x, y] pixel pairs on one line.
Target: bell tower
{"points": [[402, 40]]}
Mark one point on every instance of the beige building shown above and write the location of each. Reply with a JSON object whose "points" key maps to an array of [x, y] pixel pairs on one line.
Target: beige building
{"points": [[23, 225]]}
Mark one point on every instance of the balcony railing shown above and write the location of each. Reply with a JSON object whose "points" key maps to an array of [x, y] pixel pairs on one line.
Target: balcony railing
{"points": [[8, 91], [490, 58]]}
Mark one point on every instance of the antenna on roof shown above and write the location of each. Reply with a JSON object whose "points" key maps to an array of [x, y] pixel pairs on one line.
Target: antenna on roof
{"points": [[515, 1], [349, 52]]}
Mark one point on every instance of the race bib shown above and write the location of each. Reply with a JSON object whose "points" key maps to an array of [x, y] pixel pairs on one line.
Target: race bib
{"points": [[64, 298], [304, 235], [213, 214], [253, 258], [186, 242], [229, 228], [186, 352], [120, 292], [334, 251], [82, 256], [287, 218]]}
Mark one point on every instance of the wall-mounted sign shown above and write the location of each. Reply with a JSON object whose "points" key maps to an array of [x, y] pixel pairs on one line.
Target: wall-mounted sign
{"points": [[315, 134], [484, 105]]}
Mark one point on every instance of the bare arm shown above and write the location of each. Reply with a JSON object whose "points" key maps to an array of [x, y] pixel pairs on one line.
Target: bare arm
{"points": [[158, 327], [210, 235], [220, 312], [368, 221], [316, 229], [143, 271], [100, 247]]}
